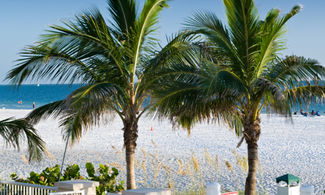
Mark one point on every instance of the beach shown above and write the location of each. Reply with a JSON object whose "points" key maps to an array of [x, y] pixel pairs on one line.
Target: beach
{"points": [[168, 156]]}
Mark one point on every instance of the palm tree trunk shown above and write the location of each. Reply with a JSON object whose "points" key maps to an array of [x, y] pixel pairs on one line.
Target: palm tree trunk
{"points": [[250, 185], [252, 132], [130, 138]]}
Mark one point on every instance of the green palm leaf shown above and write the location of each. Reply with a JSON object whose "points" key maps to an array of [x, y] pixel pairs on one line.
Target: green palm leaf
{"points": [[271, 43], [13, 131], [123, 14]]}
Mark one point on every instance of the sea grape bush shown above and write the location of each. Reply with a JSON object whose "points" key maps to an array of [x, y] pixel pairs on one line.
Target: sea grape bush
{"points": [[106, 177], [72, 172], [47, 177], [50, 175]]}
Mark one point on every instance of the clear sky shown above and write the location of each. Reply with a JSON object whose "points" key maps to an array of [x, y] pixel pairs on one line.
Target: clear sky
{"points": [[22, 21]]}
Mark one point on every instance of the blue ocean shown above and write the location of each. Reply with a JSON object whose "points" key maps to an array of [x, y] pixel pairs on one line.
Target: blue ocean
{"points": [[23, 97]]}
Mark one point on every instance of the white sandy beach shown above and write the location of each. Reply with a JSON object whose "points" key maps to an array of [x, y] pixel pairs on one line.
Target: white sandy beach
{"points": [[284, 147]]}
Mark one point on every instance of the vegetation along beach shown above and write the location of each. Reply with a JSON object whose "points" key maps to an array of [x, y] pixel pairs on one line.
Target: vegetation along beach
{"points": [[225, 97]]}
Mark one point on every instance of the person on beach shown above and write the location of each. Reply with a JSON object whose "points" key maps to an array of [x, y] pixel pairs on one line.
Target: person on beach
{"points": [[303, 113], [317, 113], [34, 105], [313, 113]]}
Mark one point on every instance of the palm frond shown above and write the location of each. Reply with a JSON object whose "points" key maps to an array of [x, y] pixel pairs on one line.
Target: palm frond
{"points": [[68, 52], [219, 37], [306, 94], [13, 131], [144, 27], [53, 109], [273, 97], [291, 82], [61, 64], [292, 70], [272, 29], [123, 14], [179, 49], [88, 105], [243, 20], [188, 95]]}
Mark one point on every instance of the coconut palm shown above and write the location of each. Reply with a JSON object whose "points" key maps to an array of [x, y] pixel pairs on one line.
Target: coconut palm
{"points": [[112, 59], [14, 130], [236, 74]]}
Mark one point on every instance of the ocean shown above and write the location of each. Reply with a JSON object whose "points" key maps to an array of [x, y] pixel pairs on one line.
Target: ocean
{"points": [[24, 96]]}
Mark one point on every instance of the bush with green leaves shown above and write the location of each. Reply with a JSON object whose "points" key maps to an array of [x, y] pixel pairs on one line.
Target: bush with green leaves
{"points": [[50, 175], [106, 177]]}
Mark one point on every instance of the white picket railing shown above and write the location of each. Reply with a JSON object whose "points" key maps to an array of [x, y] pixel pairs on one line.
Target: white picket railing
{"points": [[68, 193], [17, 188]]}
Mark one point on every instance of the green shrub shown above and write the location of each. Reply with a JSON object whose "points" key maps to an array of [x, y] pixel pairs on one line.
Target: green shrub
{"points": [[106, 177], [47, 177], [72, 172]]}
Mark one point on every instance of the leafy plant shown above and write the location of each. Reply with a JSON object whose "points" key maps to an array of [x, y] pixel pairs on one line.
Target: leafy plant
{"points": [[50, 175], [106, 178], [72, 172], [14, 131]]}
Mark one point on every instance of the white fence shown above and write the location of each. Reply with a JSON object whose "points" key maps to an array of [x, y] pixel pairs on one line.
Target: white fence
{"points": [[68, 193], [17, 188]]}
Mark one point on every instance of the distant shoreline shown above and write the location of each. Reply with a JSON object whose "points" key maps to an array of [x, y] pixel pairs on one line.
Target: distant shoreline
{"points": [[262, 114], [12, 109]]}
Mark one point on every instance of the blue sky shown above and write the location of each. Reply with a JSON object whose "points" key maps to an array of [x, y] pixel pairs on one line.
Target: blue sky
{"points": [[23, 21]]}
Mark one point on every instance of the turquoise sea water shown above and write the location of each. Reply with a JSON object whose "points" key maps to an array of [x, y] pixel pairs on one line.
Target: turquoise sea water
{"points": [[24, 96]]}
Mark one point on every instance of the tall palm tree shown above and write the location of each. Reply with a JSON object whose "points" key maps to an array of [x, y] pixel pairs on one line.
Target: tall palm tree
{"points": [[113, 59], [12, 131], [236, 74]]}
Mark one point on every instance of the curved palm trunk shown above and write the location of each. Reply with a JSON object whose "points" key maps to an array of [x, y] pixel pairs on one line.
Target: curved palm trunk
{"points": [[252, 132], [130, 139]]}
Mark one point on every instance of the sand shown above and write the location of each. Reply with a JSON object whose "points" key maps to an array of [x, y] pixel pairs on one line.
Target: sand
{"points": [[167, 156]]}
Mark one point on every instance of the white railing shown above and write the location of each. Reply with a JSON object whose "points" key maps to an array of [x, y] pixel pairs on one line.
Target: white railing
{"points": [[17, 188], [68, 193]]}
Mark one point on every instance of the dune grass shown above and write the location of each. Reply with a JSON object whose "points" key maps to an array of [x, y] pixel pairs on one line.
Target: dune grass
{"points": [[157, 172]]}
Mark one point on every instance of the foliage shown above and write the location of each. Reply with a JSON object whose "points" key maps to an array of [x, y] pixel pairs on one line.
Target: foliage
{"points": [[237, 71], [72, 172], [109, 57], [113, 58], [50, 175], [106, 178], [13, 130]]}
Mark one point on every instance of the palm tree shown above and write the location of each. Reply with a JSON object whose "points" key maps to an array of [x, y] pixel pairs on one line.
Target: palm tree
{"points": [[112, 59], [12, 131], [236, 73]]}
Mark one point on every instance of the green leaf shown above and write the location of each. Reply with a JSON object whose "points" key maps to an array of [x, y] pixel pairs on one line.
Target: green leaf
{"points": [[90, 169]]}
